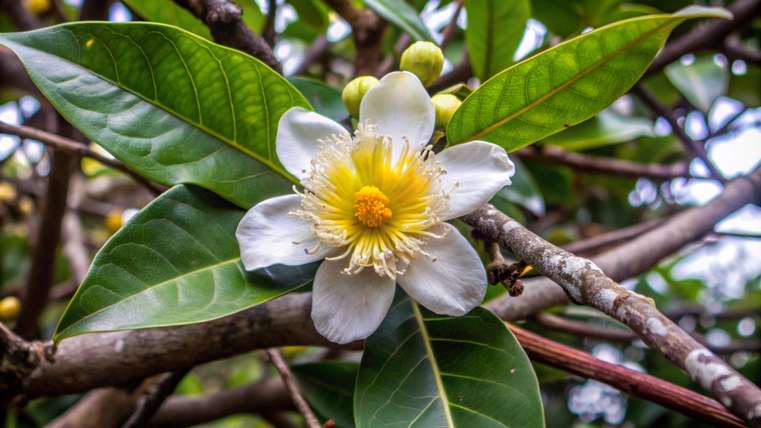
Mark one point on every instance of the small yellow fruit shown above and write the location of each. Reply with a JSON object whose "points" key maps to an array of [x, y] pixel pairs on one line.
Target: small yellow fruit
{"points": [[445, 106], [9, 308], [425, 60], [355, 90], [37, 7], [26, 206], [114, 221], [7, 192]]}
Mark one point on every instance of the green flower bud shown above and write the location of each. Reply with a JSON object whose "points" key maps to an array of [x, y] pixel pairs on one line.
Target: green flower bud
{"points": [[445, 106], [355, 90], [424, 59]]}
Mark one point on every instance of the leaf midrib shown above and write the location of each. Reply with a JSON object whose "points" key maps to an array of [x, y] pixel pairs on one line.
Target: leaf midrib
{"points": [[156, 103], [434, 363], [568, 83], [149, 288]]}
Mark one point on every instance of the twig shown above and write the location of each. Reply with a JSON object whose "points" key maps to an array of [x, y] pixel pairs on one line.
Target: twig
{"points": [[613, 237], [708, 35], [268, 33], [314, 53], [268, 394], [615, 334], [76, 148], [586, 163], [459, 73], [738, 235], [153, 397], [695, 147], [451, 29], [734, 49], [367, 30], [585, 283], [224, 19], [632, 382], [293, 388]]}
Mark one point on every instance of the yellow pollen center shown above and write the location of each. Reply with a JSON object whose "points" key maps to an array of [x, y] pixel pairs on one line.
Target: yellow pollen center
{"points": [[370, 207]]}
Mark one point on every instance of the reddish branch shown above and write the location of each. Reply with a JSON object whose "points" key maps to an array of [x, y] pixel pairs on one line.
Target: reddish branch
{"points": [[293, 388], [632, 382], [585, 283], [224, 19]]}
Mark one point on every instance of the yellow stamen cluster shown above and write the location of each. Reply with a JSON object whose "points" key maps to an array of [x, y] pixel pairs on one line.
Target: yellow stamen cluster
{"points": [[372, 202], [370, 206]]}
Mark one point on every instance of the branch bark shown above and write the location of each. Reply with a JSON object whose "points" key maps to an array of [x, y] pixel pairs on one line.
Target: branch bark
{"points": [[224, 19], [367, 30], [586, 283], [632, 382], [642, 253]]}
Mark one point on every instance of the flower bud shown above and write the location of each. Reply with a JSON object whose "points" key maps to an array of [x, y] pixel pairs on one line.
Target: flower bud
{"points": [[114, 221], [9, 308], [355, 90], [445, 106], [424, 59], [37, 7]]}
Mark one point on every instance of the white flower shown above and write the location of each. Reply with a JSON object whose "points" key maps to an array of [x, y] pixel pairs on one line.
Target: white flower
{"points": [[374, 207]]}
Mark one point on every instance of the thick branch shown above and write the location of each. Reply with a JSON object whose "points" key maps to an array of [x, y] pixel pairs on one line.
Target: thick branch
{"points": [[642, 253], [587, 163], [224, 19], [632, 382], [585, 283]]}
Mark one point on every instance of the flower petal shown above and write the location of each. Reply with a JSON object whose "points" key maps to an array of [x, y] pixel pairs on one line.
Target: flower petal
{"points": [[475, 171], [267, 235], [450, 282], [346, 308], [297, 134], [400, 107]]}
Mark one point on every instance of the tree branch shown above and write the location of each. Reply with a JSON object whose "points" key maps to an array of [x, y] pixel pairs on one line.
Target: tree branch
{"points": [[642, 253], [585, 283], [367, 30], [632, 382], [75, 148], [224, 19], [585, 163], [293, 388], [709, 35]]}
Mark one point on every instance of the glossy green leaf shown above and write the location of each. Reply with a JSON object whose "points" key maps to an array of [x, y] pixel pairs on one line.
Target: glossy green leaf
{"points": [[401, 14], [175, 262], [325, 99], [605, 129], [169, 12], [172, 105], [495, 29], [426, 370], [329, 388], [701, 82], [566, 84]]}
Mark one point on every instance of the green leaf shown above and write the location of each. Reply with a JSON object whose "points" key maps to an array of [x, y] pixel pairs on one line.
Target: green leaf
{"points": [[427, 370], [175, 262], [401, 14], [173, 106], [168, 12], [495, 29], [329, 388], [325, 99], [311, 12], [605, 129], [566, 84], [700, 82]]}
